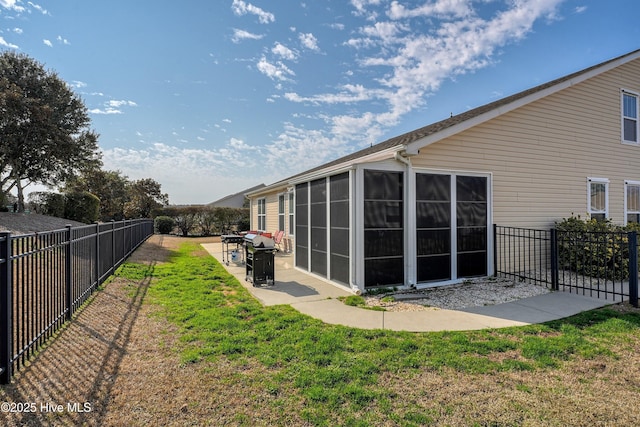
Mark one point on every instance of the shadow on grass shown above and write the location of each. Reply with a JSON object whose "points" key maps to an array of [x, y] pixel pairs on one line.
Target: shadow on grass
{"points": [[70, 381]]}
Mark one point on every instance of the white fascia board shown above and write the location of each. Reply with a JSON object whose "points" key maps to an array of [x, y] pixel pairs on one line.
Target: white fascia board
{"points": [[347, 165], [414, 147]]}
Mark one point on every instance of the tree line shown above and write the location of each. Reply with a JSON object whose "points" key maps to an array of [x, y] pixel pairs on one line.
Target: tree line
{"points": [[45, 138], [201, 220]]}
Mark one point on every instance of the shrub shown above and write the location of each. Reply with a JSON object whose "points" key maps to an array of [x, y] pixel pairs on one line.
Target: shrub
{"points": [[593, 248], [163, 224], [81, 206]]}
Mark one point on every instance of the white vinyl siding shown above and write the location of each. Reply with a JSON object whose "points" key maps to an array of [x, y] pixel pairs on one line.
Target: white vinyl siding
{"points": [[632, 202], [598, 200], [541, 153], [629, 117]]}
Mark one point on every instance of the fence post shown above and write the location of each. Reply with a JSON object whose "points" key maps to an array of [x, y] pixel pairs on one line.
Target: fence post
{"points": [[633, 268], [113, 247], [6, 298], [495, 250], [97, 258], [67, 268], [554, 259]]}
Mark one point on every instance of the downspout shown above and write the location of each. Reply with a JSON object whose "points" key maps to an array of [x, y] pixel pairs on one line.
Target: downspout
{"points": [[402, 157]]}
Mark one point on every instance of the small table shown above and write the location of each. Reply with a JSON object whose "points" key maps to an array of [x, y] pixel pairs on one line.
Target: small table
{"points": [[231, 239]]}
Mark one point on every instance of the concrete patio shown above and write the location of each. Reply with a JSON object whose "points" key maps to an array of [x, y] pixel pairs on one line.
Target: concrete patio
{"points": [[319, 299]]}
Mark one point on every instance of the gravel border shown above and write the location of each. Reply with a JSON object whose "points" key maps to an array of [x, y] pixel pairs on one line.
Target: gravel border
{"points": [[471, 293]]}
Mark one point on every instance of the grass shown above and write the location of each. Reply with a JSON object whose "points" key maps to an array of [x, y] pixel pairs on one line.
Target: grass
{"points": [[336, 375]]}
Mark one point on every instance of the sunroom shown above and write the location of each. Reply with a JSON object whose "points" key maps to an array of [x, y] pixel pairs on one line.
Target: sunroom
{"points": [[388, 224]]}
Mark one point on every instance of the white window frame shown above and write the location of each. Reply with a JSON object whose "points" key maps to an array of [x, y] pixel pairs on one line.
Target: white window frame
{"points": [[624, 93], [627, 211], [262, 214], [281, 212], [291, 213], [590, 210]]}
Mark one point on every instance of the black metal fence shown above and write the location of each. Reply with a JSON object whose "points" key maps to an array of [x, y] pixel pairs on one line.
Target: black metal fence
{"points": [[45, 277], [596, 264]]}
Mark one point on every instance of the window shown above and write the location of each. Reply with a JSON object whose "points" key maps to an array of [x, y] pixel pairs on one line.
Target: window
{"points": [[632, 201], [629, 117], [262, 214], [598, 198], [281, 212], [318, 218], [302, 226], [291, 210], [383, 228], [339, 228]]}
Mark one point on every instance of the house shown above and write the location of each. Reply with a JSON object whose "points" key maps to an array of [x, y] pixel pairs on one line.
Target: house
{"points": [[236, 200], [417, 209]]}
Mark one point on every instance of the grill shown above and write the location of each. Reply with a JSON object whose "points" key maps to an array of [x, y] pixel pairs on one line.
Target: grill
{"points": [[259, 256], [231, 239]]}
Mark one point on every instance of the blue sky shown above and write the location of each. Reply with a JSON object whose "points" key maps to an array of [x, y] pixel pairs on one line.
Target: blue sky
{"points": [[212, 97]]}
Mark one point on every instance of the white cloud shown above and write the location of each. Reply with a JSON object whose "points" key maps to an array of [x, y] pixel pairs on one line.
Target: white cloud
{"points": [[277, 71], [105, 111], [309, 41], [241, 8], [239, 35], [17, 30], [63, 40], [349, 94], [361, 7], [5, 43], [39, 8], [117, 104], [283, 52], [417, 49], [580, 9], [439, 9], [11, 5], [47, 42], [113, 107], [205, 174]]}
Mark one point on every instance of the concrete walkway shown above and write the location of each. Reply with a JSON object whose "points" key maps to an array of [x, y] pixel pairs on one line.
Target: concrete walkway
{"points": [[317, 298]]}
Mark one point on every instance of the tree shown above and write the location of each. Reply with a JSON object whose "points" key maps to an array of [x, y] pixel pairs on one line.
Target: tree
{"points": [[111, 187], [81, 206], [144, 196], [44, 127]]}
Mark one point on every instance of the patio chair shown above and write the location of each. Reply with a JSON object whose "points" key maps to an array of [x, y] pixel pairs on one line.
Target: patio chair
{"points": [[277, 239]]}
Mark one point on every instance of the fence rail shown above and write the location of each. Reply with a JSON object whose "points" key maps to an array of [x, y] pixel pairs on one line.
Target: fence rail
{"points": [[596, 264], [46, 277]]}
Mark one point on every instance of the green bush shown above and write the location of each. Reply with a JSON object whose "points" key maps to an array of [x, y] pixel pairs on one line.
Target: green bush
{"points": [[163, 224], [81, 206], [594, 248]]}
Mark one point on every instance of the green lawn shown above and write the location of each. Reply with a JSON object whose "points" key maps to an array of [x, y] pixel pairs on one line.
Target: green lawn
{"points": [[334, 375]]}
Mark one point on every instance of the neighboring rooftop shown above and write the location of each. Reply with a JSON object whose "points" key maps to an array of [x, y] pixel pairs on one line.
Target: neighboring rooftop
{"points": [[234, 200]]}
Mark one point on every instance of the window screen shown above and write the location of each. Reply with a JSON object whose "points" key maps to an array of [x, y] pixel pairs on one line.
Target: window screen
{"points": [[630, 117], [433, 227], [339, 224], [471, 217], [302, 225], [318, 209], [633, 203], [383, 228]]}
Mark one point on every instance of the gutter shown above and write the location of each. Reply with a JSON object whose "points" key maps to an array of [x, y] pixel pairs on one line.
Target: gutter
{"points": [[403, 157]]}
